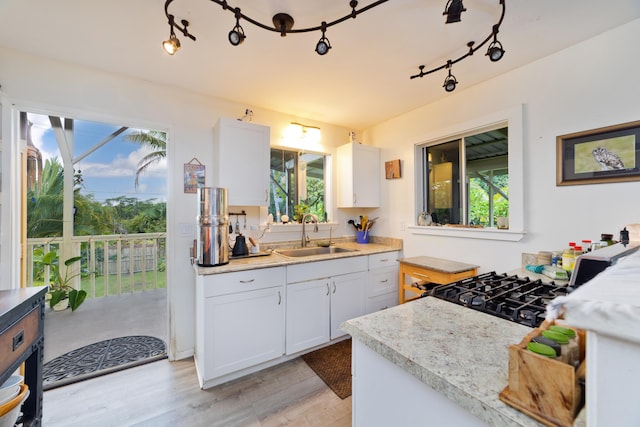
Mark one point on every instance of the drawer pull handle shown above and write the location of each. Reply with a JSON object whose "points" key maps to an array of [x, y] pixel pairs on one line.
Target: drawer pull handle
{"points": [[279, 298], [334, 287], [247, 281], [328, 289], [420, 275], [18, 339], [384, 260], [384, 281]]}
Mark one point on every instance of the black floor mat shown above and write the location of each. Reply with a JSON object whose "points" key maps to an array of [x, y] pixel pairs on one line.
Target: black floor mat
{"points": [[102, 358]]}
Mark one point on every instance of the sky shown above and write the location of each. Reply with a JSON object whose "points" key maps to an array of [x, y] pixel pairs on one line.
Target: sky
{"points": [[109, 171]]}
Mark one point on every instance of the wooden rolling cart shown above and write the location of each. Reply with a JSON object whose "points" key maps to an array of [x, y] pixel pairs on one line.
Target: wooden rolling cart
{"points": [[426, 269]]}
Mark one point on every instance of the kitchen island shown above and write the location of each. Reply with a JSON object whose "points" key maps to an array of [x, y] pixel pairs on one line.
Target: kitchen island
{"points": [[431, 362]]}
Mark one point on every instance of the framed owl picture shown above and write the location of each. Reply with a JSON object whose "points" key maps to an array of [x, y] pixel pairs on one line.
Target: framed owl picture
{"points": [[609, 154]]}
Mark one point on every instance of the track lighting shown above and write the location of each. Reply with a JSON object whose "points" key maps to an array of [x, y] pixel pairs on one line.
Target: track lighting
{"points": [[450, 82], [453, 9], [495, 51], [283, 24], [323, 45], [236, 35], [172, 44]]}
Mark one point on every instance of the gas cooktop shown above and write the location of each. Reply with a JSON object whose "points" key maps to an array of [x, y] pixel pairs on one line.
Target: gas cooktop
{"points": [[510, 297]]}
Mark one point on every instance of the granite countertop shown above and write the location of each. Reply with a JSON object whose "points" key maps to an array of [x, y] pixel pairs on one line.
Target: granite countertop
{"points": [[459, 352], [438, 264], [376, 245]]}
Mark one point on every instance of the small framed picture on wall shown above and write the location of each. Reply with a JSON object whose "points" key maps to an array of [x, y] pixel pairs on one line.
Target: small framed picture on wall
{"points": [[392, 169]]}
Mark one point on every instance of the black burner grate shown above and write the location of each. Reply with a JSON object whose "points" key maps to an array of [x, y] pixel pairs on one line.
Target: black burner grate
{"points": [[514, 298]]}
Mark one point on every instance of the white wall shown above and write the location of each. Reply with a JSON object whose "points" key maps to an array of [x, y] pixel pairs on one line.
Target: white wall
{"points": [[591, 85], [46, 86]]}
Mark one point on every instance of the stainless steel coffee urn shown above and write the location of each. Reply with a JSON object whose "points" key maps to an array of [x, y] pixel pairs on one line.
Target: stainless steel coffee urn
{"points": [[213, 226]]}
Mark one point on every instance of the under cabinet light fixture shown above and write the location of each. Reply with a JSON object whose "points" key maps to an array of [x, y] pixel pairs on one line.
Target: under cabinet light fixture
{"points": [[283, 24]]}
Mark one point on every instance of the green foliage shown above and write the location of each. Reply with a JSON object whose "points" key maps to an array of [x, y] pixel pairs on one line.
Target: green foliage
{"points": [[60, 287]]}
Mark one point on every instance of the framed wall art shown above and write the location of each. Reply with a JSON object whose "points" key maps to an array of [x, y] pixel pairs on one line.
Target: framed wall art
{"points": [[609, 154], [392, 169], [194, 175]]}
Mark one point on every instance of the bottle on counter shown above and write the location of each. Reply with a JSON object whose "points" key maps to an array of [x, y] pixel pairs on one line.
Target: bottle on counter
{"points": [[569, 257], [586, 245]]}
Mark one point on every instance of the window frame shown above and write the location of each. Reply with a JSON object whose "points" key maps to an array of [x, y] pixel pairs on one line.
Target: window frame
{"points": [[511, 118]]}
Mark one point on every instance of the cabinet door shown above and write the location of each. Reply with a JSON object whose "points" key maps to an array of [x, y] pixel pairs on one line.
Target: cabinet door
{"points": [[241, 154], [359, 175], [242, 330], [307, 314], [347, 300]]}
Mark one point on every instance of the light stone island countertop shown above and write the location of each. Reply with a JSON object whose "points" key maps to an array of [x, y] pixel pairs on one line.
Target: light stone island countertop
{"points": [[460, 352], [376, 245]]}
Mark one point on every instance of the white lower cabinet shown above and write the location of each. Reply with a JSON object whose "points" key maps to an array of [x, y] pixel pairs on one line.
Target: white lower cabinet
{"points": [[317, 308], [320, 296], [239, 322], [248, 320], [308, 306], [382, 282]]}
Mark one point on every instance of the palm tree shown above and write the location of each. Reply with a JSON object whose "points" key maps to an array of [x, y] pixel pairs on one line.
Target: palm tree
{"points": [[154, 139]]}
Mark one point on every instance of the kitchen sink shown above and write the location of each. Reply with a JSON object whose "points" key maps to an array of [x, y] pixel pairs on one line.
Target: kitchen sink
{"points": [[320, 250]]}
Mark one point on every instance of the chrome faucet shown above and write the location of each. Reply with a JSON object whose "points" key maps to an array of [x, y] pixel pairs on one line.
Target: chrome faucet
{"points": [[314, 220]]}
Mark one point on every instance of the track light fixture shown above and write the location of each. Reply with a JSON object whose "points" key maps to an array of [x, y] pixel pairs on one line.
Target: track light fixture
{"points": [[236, 35], [323, 45], [495, 51], [453, 10], [283, 24], [172, 44], [450, 82]]}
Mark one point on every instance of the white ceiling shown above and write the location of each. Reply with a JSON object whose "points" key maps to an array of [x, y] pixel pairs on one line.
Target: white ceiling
{"points": [[363, 80]]}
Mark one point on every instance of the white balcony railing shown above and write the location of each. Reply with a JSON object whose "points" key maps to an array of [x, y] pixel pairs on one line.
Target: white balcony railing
{"points": [[111, 264]]}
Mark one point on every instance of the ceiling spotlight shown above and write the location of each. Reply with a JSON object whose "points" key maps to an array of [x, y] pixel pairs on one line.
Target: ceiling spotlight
{"points": [[323, 45], [495, 51], [453, 9], [450, 82], [172, 45], [236, 35]]}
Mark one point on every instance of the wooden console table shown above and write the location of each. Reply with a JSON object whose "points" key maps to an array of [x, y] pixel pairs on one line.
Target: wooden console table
{"points": [[22, 340], [431, 270]]}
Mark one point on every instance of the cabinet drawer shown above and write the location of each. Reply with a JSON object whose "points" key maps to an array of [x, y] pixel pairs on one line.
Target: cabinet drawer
{"points": [[385, 259], [321, 269], [382, 281], [17, 338], [242, 281], [381, 302]]}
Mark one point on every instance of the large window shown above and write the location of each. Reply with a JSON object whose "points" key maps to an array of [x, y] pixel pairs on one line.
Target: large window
{"points": [[465, 179], [297, 184]]}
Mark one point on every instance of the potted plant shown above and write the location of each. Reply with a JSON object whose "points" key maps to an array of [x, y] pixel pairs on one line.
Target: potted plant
{"points": [[62, 294]]}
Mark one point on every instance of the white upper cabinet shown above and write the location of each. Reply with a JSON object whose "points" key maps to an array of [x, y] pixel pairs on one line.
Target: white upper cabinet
{"points": [[241, 161], [359, 174]]}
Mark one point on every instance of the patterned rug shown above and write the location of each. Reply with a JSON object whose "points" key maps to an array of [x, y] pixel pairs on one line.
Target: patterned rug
{"points": [[102, 358], [333, 366]]}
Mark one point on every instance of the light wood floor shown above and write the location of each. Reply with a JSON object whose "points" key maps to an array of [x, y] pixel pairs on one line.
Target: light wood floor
{"points": [[167, 394]]}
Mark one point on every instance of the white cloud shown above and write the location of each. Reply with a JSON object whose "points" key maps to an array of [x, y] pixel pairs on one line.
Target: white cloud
{"points": [[123, 166]]}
